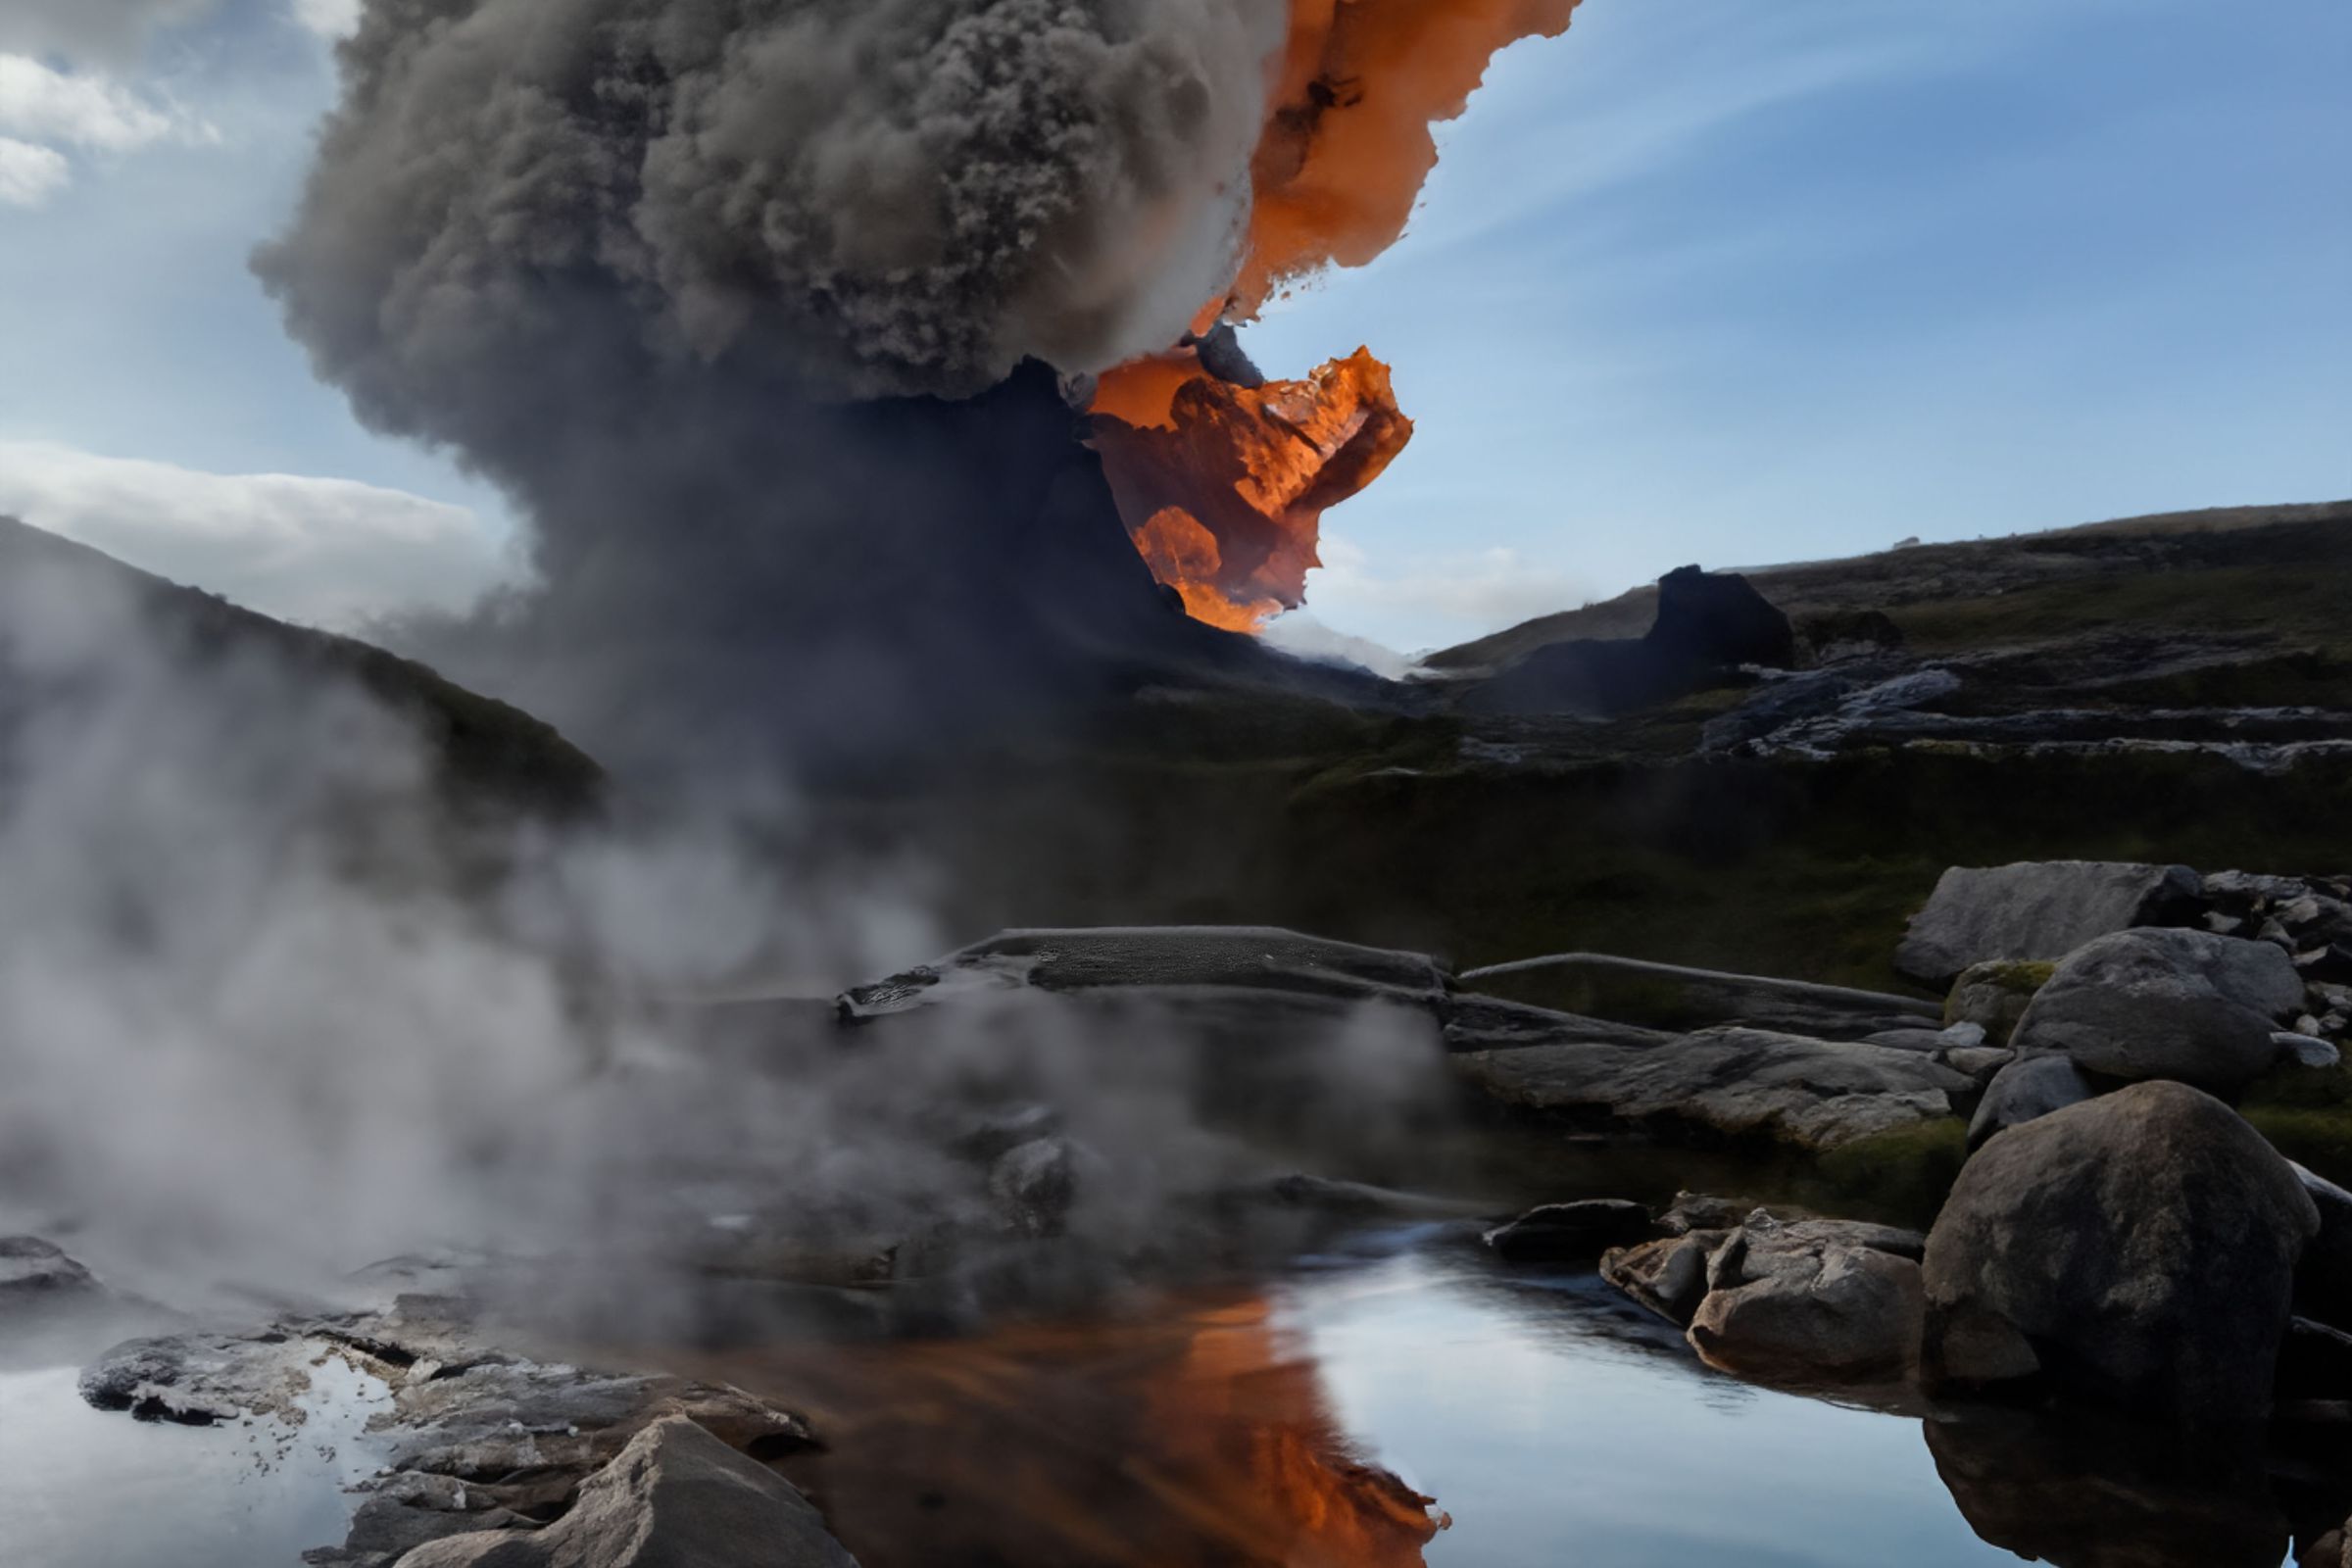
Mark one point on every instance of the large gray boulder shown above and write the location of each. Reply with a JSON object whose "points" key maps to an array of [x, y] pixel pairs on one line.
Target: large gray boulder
{"points": [[2166, 1003], [1729, 1084], [2036, 910], [675, 1497], [2136, 1250], [1812, 1302]]}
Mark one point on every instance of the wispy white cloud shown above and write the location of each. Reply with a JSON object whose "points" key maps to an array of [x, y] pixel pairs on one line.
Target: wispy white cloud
{"points": [[329, 552], [1415, 600], [46, 112], [29, 174], [79, 109]]}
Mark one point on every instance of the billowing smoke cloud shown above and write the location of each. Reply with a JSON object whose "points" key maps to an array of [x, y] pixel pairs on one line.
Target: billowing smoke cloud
{"points": [[640, 261], [868, 197]]}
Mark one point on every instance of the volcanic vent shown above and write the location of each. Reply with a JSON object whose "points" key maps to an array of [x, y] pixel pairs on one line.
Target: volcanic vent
{"points": [[734, 297]]}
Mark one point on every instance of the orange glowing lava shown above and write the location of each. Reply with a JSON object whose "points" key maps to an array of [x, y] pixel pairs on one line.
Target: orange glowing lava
{"points": [[1233, 486], [1197, 1438], [1224, 486]]}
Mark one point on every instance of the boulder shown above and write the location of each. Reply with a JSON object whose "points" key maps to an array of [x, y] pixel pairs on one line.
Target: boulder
{"points": [[2036, 910], [2166, 1003], [1980, 1062], [1726, 1084], [2026, 1088], [1709, 625], [2136, 1251], [1812, 1302], [1560, 1233], [675, 1497]]}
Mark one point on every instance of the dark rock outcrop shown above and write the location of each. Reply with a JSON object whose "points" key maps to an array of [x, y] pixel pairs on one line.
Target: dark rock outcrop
{"points": [[2166, 1003], [1709, 625], [675, 1497], [1559, 1233], [2135, 1252], [2036, 910]]}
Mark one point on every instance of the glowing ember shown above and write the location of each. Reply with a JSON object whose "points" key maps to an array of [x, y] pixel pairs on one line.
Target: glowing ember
{"points": [[1223, 486], [1233, 486]]}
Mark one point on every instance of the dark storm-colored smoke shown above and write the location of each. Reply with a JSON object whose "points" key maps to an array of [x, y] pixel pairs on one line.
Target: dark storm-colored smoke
{"points": [[693, 279]]}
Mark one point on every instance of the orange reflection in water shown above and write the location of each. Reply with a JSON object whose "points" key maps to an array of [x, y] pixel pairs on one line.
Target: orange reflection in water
{"points": [[1183, 1440]]}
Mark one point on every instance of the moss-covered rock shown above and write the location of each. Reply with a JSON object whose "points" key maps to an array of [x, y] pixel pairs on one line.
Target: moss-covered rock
{"points": [[1993, 995]]}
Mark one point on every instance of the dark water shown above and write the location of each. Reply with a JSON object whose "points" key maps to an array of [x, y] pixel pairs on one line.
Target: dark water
{"points": [[1333, 1417]]}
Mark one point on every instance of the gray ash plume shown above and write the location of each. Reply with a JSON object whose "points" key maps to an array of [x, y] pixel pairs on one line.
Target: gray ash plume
{"points": [[697, 281]]}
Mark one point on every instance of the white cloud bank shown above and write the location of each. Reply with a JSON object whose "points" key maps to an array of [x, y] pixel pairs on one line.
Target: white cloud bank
{"points": [[1426, 602], [326, 552]]}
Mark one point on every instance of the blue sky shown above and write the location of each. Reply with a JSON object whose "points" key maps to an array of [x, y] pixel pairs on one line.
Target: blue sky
{"points": [[1718, 280]]}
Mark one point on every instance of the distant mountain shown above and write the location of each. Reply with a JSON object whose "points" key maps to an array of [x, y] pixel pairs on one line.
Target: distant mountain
{"points": [[490, 754], [2057, 564]]}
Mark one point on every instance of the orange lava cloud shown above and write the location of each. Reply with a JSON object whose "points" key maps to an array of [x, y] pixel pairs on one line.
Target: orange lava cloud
{"points": [[1223, 486], [1232, 487], [1349, 145]]}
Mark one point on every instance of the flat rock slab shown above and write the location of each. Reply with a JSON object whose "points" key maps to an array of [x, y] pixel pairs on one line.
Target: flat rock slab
{"points": [[1158, 957], [2038, 910], [1733, 1083]]}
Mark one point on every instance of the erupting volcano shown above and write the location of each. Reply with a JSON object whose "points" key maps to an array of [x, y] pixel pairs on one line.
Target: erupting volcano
{"points": [[1223, 482]]}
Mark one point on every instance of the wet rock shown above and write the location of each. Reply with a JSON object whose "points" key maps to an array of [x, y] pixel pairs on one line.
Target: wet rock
{"points": [[1730, 1084], [1812, 1302], [1667, 1276], [1704, 1212], [2166, 1003], [1558, 1233], [1994, 995], [2036, 910], [2026, 1088], [2135, 1252], [2074, 1491], [675, 1497]]}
